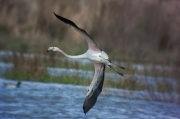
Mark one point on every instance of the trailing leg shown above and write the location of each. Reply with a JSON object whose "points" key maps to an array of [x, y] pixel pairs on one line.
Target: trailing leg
{"points": [[115, 70]]}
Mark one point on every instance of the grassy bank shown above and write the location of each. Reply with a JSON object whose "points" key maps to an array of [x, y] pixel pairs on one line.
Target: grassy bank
{"points": [[44, 77], [127, 84], [53, 59], [31, 69]]}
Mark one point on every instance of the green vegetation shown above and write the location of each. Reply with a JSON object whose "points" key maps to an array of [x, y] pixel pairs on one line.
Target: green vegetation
{"points": [[128, 84], [31, 69], [76, 80], [44, 77]]}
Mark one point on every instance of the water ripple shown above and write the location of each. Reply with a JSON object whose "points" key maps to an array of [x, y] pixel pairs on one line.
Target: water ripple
{"points": [[42, 100]]}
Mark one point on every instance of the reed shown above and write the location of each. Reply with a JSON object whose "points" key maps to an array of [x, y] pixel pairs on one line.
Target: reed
{"points": [[34, 68], [31, 69], [139, 32]]}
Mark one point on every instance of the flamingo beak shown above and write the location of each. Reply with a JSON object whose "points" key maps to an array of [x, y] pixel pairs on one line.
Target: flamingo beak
{"points": [[50, 49]]}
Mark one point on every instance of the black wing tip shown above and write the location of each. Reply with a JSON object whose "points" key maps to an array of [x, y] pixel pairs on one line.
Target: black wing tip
{"points": [[84, 108], [56, 15], [67, 21]]}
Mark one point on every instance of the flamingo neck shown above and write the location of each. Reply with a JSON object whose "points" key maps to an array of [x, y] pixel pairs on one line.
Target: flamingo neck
{"points": [[83, 56]]}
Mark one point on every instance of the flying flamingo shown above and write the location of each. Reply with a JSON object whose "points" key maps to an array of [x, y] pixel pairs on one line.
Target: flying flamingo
{"points": [[94, 54]]}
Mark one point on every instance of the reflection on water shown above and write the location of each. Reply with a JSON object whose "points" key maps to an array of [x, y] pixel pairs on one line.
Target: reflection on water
{"points": [[54, 101]]}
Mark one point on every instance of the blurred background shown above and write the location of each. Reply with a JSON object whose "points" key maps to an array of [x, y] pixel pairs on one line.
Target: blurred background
{"points": [[141, 35]]}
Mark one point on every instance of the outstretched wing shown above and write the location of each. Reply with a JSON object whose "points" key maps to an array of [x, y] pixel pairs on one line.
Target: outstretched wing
{"points": [[95, 88], [92, 45]]}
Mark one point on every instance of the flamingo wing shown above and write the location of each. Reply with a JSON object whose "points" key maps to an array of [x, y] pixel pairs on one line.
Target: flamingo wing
{"points": [[92, 45], [95, 87]]}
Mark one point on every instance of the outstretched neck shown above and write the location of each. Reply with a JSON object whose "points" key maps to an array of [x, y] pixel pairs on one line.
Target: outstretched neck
{"points": [[83, 56]]}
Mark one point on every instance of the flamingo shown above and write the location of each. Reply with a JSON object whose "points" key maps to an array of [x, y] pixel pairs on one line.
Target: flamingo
{"points": [[98, 57]]}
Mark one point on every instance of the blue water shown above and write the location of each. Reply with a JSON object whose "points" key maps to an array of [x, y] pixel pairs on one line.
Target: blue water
{"points": [[56, 101]]}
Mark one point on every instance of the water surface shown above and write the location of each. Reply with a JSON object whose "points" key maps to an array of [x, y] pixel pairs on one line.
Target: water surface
{"points": [[54, 101]]}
